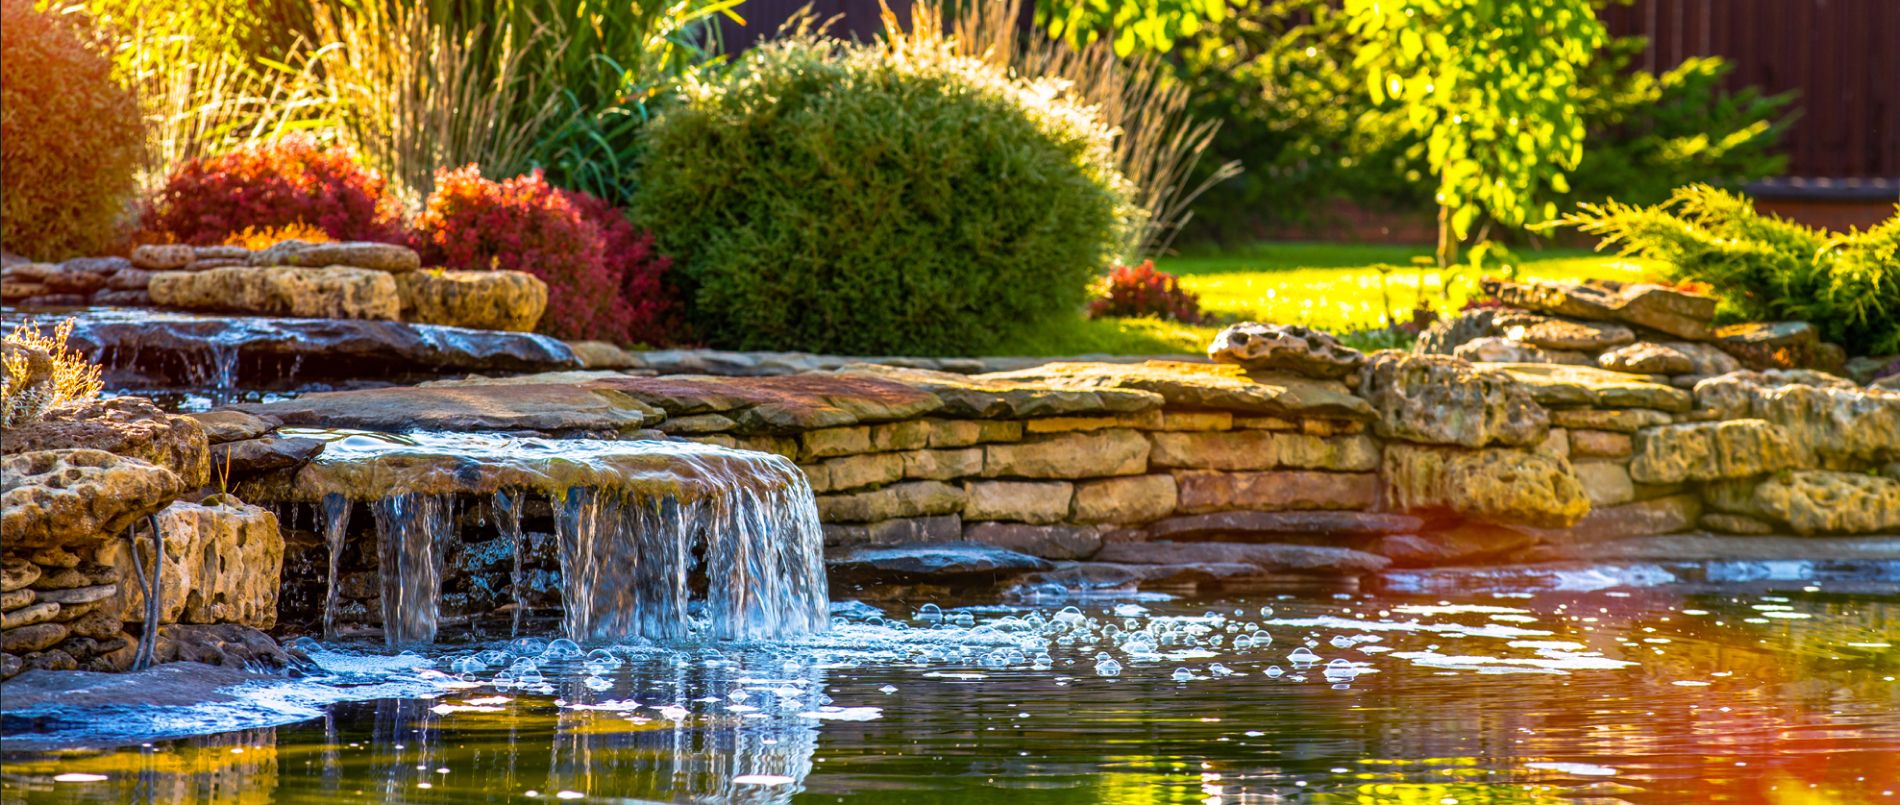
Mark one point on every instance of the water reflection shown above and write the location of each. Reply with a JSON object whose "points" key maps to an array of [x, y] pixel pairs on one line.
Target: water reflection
{"points": [[1737, 693]]}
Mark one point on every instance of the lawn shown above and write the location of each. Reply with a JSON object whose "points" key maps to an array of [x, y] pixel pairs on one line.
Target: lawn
{"points": [[1335, 287]]}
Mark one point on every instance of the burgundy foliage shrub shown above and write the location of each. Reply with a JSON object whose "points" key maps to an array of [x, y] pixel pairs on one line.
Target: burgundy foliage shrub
{"points": [[288, 182], [651, 315], [1143, 291]]}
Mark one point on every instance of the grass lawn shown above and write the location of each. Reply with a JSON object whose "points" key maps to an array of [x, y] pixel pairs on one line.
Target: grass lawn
{"points": [[1335, 287]]}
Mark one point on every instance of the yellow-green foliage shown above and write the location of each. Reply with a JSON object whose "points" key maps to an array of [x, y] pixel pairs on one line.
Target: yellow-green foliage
{"points": [[1766, 268], [41, 372], [875, 198], [70, 141]]}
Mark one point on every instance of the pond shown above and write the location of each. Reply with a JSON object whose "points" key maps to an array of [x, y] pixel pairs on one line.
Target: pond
{"points": [[1743, 691]]}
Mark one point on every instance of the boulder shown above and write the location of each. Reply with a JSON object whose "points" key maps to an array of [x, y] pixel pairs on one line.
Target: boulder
{"points": [[326, 293], [222, 564], [1682, 315], [1830, 417], [1436, 399], [1282, 490], [67, 497], [550, 408], [482, 300], [1494, 485], [1126, 500], [126, 426], [1063, 541], [1772, 345], [1565, 334], [385, 257], [1290, 348], [1492, 349], [1708, 451], [1820, 501], [1647, 358], [227, 645]]}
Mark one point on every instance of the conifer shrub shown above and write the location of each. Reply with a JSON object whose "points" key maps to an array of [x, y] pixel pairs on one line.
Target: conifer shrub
{"points": [[70, 138], [878, 198]]}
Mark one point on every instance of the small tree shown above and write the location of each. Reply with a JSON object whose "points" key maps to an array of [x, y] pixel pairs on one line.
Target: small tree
{"points": [[1492, 88]]}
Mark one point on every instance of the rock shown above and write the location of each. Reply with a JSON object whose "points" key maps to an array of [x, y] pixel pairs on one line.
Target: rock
{"points": [[73, 596], [130, 279], [19, 292], [384, 257], [1600, 444], [157, 342], [1566, 334], [1441, 400], [987, 397], [112, 298], [1494, 485], [1259, 525], [1261, 450], [52, 660], [322, 293], [1291, 348], [1446, 335], [784, 404], [1564, 386], [1707, 451], [1492, 349], [98, 625], [1830, 417], [1463, 544], [17, 574], [227, 645], [1704, 359], [1866, 369], [1130, 499], [1093, 454], [943, 465], [1144, 420], [15, 599], [1206, 386], [63, 497], [955, 563], [902, 531], [483, 300], [233, 426], [1821, 501], [908, 499], [37, 637], [551, 409], [1046, 541], [1628, 420], [28, 615], [1679, 314], [1284, 490], [601, 355], [855, 472], [127, 426], [1039, 502], [55, 300], [1725, 523], [1268, 558], [84, 275], [1605, 483], [1647, 358], [222, 565], [1665, 515], [10, 666], [162, 257], [1771, 345], [251, 457]]}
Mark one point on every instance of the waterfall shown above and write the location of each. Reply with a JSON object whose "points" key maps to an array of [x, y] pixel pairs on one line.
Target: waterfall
{"points": [[336, 522], [657, 540]]}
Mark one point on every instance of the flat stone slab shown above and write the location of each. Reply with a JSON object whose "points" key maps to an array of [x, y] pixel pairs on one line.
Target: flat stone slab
{"points": [[1588, 386], [949, 562], [992, 396], [1271, 558], [1702, 546], [1293, 523], [546, 408], [1214, 386], [783, 404]]}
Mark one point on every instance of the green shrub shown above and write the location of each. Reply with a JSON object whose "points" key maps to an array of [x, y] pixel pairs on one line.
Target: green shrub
{"points": [[878, 198], [1765, 268], [70, 141]]}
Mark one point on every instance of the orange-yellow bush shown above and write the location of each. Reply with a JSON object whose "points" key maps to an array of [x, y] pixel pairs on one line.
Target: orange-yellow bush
{"points": [[257, 239], [39, 372], [70, 138]]}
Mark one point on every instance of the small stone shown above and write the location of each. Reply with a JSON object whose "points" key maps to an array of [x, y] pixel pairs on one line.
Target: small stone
{"points": [[1282, 490], [1599, 444], [1605, 483], [17, 574], [54, 556], [252, 457], [1131, 499], [80, 595], [14, 599], [1038, 502], [1291, 348], [602, 355], [1492, 349], [1646, 358], [1725, 523], [1046, 541], [1567, 334], [53, 660], [11, 666], [1463, 544], [1628, 420], [37, 637], [162, 257], [1708, 451], [29, 615]]}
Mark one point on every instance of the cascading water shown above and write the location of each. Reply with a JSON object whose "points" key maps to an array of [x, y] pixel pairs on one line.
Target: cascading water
{"points": [[336, 522], [658, 540]]}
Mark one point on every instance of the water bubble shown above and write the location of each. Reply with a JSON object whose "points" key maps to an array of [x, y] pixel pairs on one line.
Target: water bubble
{"points": [[561, 649], [492, 658], [1218, 669], [528, 646], [1302, 656], [1183, 674], [1108, 667], [601, 656], [1274, 672], [930, 612], [887, 689], [1266, 613], [596, 683], [467, 665], [963, 619], [526, 672]]}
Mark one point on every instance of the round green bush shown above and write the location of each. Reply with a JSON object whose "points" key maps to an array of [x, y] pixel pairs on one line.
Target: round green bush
{"points": [[849, 198]]}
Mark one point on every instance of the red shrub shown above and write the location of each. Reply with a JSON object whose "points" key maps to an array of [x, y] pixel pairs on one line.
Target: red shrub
{"points": [[70, 138], [292, 181], [1143, 291], [526, 224], [630, 254]]}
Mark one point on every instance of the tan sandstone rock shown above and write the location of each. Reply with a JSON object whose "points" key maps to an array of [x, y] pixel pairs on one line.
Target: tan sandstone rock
{"points": [[1492, 349], [327, 293], [1647, 358], [1202, 491], [385, 257], [1040, 502], [908, 499], [483, 300], [1605, 483], [67, 497], [1093, 454], [1820, 501], [126, 426], [1564, 334], [222, 565], [1826, 415], [1436, 399], [1495, 485], [1707, 451], [1682, 315], [1127, 500], [1288, 348]]}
